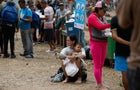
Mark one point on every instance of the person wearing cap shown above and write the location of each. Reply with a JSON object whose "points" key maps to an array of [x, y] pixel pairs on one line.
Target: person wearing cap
{"points": [[60, 17], [56, 4], [98, 42]]}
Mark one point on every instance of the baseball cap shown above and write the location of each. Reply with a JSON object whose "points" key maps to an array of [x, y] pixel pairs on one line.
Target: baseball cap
{"points": [[101, 4]]}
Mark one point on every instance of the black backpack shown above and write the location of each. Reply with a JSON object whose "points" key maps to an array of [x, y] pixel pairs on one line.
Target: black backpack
{"points": [[73, 79]]}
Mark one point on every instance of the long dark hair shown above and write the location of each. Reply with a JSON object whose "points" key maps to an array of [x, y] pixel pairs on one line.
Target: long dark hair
{"points": [[96, 10], [73, 38], [22, 1]]}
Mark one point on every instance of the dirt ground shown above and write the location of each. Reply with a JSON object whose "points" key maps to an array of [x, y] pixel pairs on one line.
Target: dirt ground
{"points": [[34, 74]]}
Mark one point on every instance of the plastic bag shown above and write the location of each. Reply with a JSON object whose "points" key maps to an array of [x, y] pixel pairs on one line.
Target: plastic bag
{"points": [[71, 69]]}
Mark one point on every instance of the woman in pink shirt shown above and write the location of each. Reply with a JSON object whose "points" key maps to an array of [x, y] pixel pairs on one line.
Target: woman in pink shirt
{"points": [[98, 41]]}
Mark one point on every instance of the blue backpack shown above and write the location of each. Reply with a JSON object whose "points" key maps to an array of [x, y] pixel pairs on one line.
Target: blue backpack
{"points": [[35, 18], [9, 14]]}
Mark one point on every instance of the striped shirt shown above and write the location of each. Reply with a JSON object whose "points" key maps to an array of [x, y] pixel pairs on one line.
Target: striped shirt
{"points": [[48, 11]]}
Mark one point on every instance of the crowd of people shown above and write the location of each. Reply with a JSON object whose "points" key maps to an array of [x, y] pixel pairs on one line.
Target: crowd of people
{"points": [[51, 19], [43, 17]]}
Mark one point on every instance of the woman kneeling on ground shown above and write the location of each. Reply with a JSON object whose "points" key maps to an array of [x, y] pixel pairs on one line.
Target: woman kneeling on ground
{"points": [[67, 51]]}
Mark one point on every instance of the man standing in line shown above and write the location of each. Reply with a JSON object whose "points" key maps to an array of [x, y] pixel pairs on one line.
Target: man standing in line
{"points": [[25, 29], [60, 17], [9, 18], [48, 25]]}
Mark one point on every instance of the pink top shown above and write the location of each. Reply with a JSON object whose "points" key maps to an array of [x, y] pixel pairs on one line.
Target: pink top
{"points": [[97, 23]]}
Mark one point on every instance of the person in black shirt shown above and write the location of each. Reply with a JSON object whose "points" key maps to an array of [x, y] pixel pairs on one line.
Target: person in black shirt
{"points": [[122, 50]]}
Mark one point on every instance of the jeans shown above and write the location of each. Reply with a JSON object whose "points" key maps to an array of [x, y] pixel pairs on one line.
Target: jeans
{"points": [[134, 79], [27, 41]]}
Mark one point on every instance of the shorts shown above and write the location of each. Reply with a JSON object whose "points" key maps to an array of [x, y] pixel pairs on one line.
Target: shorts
{"points": [[121, 63], [49, 34]]}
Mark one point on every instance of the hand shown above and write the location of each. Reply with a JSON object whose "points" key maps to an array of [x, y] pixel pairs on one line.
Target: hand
{"points": [[71, 58], [17, 30], [129, 44], [21, 18], [81, 56], [59, 18]]}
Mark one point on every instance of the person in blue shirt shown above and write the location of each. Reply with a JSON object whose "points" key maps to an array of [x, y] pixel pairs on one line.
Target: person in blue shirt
{"points": [[25, 27]]}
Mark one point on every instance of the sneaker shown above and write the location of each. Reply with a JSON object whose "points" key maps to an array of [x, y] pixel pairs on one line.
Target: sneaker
{"points": [[49, 51], [55, 49], [22, 54], [13, 56], [6, 56], [34, 44], [29, 56]]}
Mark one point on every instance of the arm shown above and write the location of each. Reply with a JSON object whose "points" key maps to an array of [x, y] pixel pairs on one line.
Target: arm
{"points": [[60, 16], [28, 19], [93, 21], [17, 23], [62, 54], [124, 13], [114, 28], [66, 14], [119, 39], [82, 55], [29, 16], [48, 13]]}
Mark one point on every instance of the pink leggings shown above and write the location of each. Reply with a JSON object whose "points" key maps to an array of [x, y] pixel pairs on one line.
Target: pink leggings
{"points": [[98, 50]]}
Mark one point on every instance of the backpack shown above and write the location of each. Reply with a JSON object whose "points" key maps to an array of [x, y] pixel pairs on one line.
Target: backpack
{"points": [[59, 76], [35, 18], [9, 14]]}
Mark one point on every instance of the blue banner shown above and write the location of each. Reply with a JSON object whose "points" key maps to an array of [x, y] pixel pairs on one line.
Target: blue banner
{"points": [[80, 14]]}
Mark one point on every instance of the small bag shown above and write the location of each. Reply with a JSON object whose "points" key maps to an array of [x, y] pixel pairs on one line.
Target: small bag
{"points": [[71, 69], [107, 32]]}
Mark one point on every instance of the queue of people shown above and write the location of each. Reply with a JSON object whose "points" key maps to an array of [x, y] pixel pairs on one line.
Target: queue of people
{"points": [[29, 23]]}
